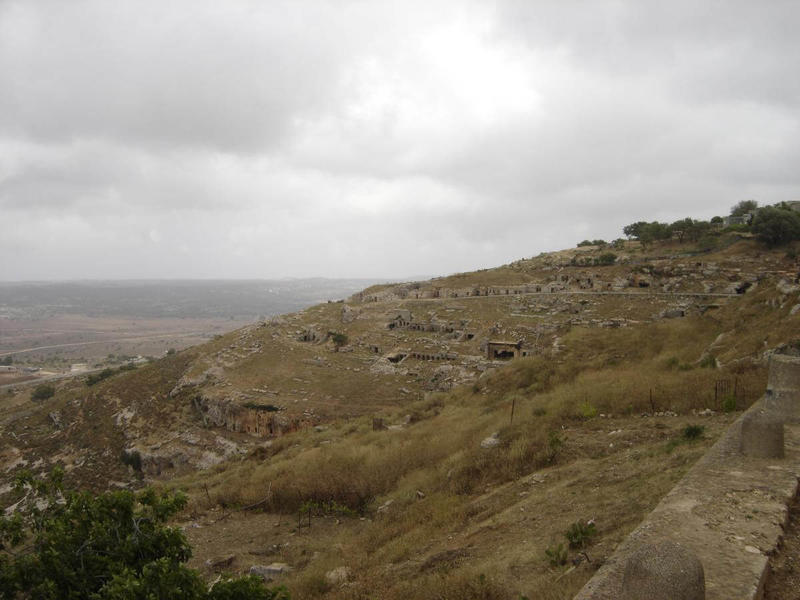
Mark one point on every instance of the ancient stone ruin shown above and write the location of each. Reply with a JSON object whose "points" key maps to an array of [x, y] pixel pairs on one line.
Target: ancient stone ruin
{"points": [[504, 350]]}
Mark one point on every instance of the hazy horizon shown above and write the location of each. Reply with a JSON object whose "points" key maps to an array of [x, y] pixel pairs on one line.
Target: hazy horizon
{"points": [[209, 298]]}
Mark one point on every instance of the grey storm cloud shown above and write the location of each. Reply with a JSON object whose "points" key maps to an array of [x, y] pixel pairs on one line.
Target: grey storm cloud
{"points": [[351, 138]]}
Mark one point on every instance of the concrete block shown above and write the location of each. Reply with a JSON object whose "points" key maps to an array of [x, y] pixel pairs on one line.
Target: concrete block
{"points": [[664, 570], [762, 435], [783, 386]]}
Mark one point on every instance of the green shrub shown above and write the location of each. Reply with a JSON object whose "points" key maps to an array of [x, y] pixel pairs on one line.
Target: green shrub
{"points": [[554, 445], [98, 377], [708, 242], [693, 432], [599, 243], [338, 339], [132, 458], [262, 407], [606, 259], [43, 392], [587, 410], [776, 226], [729, 403], [69, 545], [557, 555], [580, 533], [709, 361]]}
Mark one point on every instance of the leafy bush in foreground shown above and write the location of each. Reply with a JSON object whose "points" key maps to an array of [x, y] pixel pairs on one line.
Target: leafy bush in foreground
{"points": [[776, 226], [62, 544]]}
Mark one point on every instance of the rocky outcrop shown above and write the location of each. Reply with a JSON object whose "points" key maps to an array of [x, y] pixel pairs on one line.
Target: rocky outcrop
{"points": [[260, 420], [190, 381]]}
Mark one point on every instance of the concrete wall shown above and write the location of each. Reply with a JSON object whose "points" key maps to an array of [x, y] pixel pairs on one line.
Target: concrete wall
{"points": [[729, 509]]}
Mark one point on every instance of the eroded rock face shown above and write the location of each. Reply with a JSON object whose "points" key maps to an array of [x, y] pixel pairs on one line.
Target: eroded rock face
{"points": [[188, 381], [234, 416]]}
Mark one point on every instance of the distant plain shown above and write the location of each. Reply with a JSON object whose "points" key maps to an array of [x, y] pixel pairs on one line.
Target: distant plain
{"points": [[53, 324]]}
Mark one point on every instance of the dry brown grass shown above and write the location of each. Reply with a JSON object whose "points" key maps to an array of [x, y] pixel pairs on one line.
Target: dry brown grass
{"points": [[465, 522]]}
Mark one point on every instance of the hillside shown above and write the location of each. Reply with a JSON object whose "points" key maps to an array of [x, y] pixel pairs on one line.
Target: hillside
{"points": [[438, 436]]}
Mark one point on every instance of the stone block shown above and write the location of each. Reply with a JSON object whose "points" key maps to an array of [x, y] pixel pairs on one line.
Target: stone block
{"points": [[783, 386], [270, 572], [663, 571], [762, 435]]}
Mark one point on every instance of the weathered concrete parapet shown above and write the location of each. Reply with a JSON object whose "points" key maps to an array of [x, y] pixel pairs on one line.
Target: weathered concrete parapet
{"points": [[663, 571], [783, 386], [762, 435], [728, 509]]}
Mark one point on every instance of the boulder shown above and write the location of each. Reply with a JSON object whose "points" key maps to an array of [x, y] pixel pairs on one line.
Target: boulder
{"points": [[224, 562], [338, 576], [269, 572], [492, 441], [787, 287], [349, 314]]}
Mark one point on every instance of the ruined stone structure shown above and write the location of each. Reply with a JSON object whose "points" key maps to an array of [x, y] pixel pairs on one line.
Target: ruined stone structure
{"points": [[503, 350], [396, 357], [400, 319], [430, 355], [313, 336], [434, 325]]}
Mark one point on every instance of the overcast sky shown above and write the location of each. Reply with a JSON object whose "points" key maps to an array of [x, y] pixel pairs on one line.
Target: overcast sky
{"points": [[378, 139]]}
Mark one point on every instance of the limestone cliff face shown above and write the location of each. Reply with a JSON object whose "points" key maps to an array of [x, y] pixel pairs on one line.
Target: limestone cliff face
{"points": [[255, 420]]}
